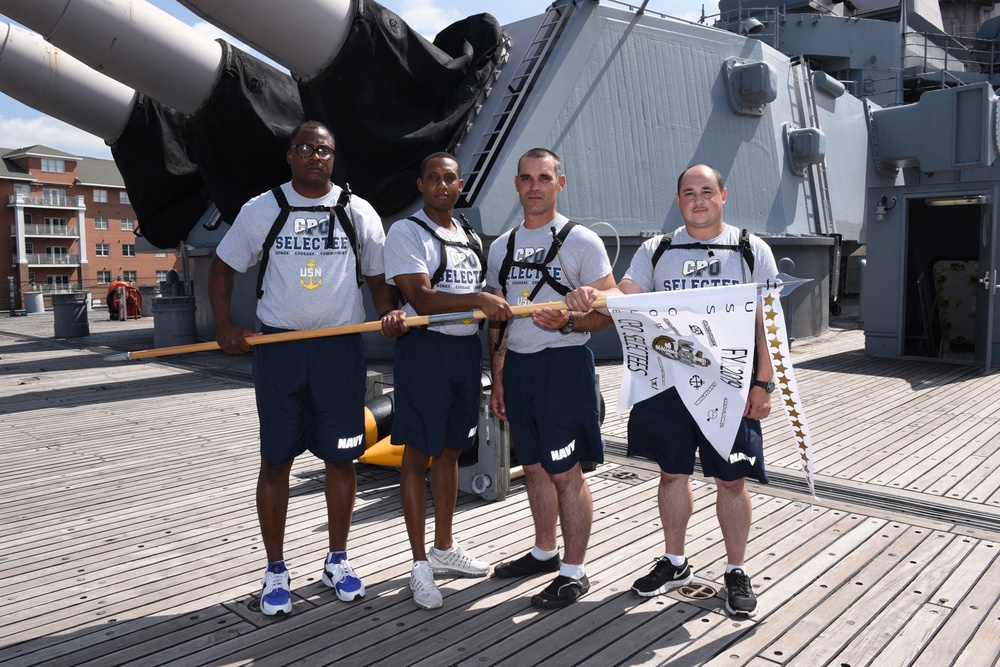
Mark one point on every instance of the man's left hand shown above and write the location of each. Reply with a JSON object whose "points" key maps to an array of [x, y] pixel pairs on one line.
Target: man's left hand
{"points": [[758, 403], [551, 319]]}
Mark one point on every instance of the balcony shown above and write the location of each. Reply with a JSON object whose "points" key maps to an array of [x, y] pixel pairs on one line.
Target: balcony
{"points": [[50, 201], [56, 289], [71, 231], [45, 259]]}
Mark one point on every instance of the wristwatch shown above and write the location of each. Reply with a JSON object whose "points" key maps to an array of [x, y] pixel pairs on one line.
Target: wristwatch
{"points": [[569, 325], [769, 385]]}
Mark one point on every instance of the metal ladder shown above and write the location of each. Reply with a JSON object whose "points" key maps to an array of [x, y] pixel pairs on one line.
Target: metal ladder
{"points": [[515, 97]]}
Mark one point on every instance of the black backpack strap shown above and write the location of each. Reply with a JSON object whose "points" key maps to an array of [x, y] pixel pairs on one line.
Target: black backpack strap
{"points": [[348, 226], [508, 261], [439, 272], [475, 243], [662, 247], [276, 226], [541, 267], [743, 247]]}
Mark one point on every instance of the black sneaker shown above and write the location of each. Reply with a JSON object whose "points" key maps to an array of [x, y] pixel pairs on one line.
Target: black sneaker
{"points": [[561, 592], [740, 598], [525, 566], [664, 576]]}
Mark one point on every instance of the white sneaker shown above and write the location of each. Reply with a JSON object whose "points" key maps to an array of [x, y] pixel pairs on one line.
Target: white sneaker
{"points": [[275, 595], [457, 563], [425, 593], [340, 576]]}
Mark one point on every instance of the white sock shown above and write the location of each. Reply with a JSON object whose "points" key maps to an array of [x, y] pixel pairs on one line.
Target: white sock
{"points": [[541, 554], [572, 571], [675, 560], [730, 567]]}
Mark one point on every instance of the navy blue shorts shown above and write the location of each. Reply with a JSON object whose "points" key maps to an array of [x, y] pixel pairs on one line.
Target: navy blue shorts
{"points": [[438, 388], [661, 429], [311, 396], [551, 399]]}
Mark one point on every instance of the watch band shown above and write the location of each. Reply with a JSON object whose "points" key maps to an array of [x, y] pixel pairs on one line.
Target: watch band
{"points": [[569, 325]]}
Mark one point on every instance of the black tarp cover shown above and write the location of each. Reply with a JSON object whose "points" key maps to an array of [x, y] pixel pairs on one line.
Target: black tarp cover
{"points": [[163, 184], [239, 137], [390, 98]]}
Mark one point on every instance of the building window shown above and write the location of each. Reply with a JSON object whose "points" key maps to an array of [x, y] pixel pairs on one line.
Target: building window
{"points": [[128, 224], [57, 250], [100, 222], [53, 197], [54, 166], [22, 189], [55, 222], [27, 218], [130, 276], [128, 250], [161, 276], [58, 281], [100, 196], [103, 277], [103, 250], [29, 247], [123, 197]]}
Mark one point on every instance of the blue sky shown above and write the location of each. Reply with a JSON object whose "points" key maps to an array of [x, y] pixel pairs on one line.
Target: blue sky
{"points": [[21, 125]]}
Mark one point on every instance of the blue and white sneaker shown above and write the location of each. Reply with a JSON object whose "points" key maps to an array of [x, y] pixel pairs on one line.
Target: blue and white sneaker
{"points": [[338, 575], [275, 593]]}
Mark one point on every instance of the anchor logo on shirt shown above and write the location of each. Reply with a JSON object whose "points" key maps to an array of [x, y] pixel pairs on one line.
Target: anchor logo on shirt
{"points": [[313, 273]]}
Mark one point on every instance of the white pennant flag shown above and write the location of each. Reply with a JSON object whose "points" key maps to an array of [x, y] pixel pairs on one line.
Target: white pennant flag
{"points": [[784, 378], [700, 341]]}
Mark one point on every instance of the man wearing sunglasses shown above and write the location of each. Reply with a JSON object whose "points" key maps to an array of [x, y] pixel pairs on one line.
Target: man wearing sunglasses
{"points": [[310, 393]]}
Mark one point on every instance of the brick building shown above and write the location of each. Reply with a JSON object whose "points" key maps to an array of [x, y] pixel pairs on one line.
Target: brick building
{"points": [[71, 226]]}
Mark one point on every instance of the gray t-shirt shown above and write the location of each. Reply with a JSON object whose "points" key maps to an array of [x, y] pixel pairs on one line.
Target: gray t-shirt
{"points": [[582, 260], [306, 285], [682, 268], [409, 248]]}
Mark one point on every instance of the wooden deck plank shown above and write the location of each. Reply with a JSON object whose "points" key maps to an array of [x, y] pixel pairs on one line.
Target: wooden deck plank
{"points": [[898, 633], [870, 591]]}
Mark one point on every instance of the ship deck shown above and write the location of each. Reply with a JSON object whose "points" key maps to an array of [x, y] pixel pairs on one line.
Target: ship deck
{"points": [[129, 532]]}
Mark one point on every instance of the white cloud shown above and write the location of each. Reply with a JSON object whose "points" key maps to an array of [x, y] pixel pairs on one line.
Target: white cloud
{"points": [[21, 132], [427, 16]]}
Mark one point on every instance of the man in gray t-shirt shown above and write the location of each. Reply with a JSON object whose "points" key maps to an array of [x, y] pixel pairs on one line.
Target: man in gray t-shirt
{"points": [[310, 393], [543, 375], [437, 264], [706, 252]]}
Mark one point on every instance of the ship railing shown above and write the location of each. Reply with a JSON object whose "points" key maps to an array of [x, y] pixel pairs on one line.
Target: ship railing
{"points": [[638, 7], [932, 52]]}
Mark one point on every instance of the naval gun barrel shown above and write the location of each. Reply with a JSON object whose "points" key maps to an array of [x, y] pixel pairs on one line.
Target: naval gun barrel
{"points": [[210, 107], [37, 74], [305, 36], [147, 138], [132, 42]]}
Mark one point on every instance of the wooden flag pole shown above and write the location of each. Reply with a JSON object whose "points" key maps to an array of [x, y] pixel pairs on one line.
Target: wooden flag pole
{"points": [[376, 325]]}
